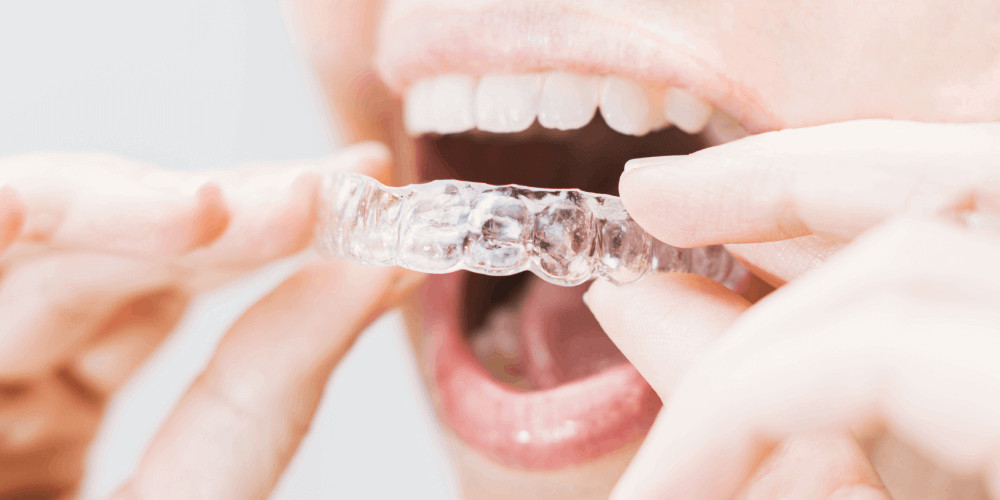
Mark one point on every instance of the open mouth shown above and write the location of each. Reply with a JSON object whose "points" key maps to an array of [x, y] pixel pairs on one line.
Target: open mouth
{"points": [[519, 369]]}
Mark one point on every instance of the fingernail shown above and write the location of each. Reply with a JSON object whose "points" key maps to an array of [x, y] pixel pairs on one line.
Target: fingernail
{"points": [[212, 216], [655, 161]]}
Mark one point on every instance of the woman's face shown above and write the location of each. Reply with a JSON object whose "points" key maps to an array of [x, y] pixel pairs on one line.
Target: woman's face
{"points": [[534, 399]]}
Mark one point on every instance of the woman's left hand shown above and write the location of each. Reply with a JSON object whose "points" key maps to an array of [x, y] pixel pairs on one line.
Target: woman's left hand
{"points": [[896, 332]]}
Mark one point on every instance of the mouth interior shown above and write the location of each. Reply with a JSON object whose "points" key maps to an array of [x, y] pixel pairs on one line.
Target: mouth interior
{"points": [[527, 333]]}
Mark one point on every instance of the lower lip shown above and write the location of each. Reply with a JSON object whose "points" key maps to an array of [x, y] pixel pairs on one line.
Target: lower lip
{"points": [[537, 430]]}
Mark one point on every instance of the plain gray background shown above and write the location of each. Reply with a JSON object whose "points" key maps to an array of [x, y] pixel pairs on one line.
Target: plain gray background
{"points": [[191, 84]]}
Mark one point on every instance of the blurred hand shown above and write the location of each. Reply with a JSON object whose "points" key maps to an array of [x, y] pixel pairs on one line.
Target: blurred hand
{"points": [[898, 332], [99, 258]]}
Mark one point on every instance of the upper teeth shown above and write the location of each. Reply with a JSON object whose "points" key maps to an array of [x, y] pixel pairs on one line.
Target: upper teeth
{"points": [[504, 103]]}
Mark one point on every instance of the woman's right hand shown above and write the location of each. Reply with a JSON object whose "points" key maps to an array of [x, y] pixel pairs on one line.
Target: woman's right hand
{"points": [[100, 258]]}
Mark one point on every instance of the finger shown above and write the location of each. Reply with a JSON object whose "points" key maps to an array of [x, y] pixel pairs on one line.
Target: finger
{"points": [[883, 331], [238, 425], [131, 335], [821, 466], [100, 202], [46, 414], [12, 214], [832, 180], [273, 206], [240, 217], [664, 322], [778, 262], [50, 305], [43, 474], [45, 430], [910, 473]]}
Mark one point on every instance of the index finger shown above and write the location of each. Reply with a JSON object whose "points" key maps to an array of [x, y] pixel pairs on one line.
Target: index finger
{"points": [[244, 216], [86, 201], [833, 180], [273, 206]]}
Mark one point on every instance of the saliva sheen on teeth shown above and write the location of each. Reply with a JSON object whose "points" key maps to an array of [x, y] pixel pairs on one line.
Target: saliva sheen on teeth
{"points": [[565, 236]]}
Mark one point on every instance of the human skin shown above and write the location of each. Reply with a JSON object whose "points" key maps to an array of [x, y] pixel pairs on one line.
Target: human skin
{"points": [[101, 257], [886, 341], [773, 66]]}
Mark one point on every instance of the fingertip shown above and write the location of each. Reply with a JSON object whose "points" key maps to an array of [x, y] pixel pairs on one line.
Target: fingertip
{"points": [[293, 226], [605, 301], [370, 158], [663, 289], [183, 213], [659, 199], [635, 484], [13, 213], [373, 150], [596, 293], [208, 220], [269, 211], [288, 226], [664, 322]]}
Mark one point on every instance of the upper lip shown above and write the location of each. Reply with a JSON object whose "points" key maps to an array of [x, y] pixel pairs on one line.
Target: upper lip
{"points": [[517, 36]]}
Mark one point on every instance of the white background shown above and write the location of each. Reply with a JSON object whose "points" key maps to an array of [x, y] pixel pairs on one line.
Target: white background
{"points": [[191, 84]]}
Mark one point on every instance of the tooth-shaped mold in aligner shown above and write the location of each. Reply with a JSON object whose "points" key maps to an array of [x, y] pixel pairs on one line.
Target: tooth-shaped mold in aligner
{"points": [[565, 236]]}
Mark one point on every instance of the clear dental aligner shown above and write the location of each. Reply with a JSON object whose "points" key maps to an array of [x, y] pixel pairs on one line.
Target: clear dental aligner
{"points": [[565, 236]]}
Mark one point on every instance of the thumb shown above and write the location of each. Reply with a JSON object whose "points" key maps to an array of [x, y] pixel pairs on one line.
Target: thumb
{"points": [[664, 322]]}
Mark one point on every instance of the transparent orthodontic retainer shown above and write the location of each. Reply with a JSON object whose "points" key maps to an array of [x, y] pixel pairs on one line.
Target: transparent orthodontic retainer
{"points": [[564, 236]]}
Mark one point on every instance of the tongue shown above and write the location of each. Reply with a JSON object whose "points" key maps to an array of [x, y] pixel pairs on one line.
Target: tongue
{"points": [[560, 340]]}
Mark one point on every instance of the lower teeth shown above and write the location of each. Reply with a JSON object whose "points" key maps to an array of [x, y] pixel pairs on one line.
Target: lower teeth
{"points": [[564, 236]]}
